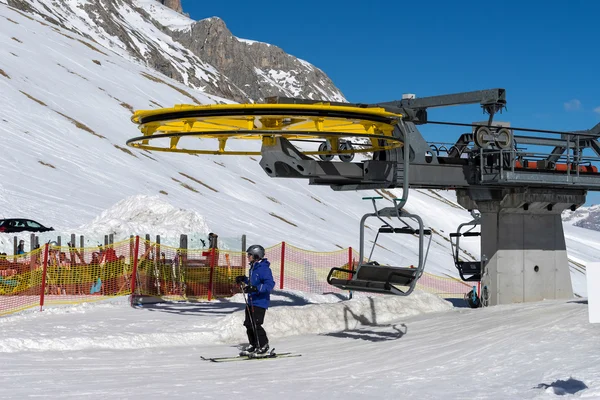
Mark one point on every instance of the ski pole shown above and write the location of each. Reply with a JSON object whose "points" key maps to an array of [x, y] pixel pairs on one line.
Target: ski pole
{"points": [[251, 314]]}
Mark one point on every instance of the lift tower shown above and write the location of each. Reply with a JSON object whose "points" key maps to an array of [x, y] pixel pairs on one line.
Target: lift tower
{"points": [[519, 184]]}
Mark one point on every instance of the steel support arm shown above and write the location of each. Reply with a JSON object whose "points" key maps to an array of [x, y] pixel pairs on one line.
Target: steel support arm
{"points": [[595, 131], [492, 101], [483, 97]]}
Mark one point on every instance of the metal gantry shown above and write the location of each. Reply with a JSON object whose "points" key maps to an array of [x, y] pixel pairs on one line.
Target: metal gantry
{"points": [[512, 180]]}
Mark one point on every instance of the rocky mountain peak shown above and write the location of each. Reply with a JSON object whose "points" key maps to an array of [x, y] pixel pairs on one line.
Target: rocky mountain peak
{"points": [[173, 4], [215, 23], [260, 69]]}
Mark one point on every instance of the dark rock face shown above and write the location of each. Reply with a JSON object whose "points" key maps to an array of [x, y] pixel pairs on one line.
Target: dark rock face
{"points": [[173, 4], [260, 69]]}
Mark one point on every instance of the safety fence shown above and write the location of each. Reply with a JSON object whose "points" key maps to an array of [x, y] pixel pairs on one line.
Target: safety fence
{"points": [[69, 275]]}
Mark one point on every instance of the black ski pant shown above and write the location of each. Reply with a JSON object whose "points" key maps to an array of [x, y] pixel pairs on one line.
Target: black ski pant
{"points": [[255, 316]]}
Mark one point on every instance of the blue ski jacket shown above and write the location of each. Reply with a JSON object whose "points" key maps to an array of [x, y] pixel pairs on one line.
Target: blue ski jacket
{"points": [[261, 277]]}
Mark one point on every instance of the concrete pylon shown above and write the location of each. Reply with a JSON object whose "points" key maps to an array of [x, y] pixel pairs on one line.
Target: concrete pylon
{"points": [[522, 242]]}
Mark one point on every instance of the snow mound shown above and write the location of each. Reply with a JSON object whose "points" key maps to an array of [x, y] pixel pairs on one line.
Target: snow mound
{"points": [[113, 324], [142, 214], [294, 297], [284, 321]]}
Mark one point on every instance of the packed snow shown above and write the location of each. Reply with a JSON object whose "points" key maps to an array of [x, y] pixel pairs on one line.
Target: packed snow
{"points": [[366, 348]]}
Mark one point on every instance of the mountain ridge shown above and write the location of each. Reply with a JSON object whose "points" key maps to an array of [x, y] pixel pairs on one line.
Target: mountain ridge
{"points": [[171, 43]]}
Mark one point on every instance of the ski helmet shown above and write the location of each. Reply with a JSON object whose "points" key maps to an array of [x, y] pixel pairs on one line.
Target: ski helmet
{"points": [[256, 251]]}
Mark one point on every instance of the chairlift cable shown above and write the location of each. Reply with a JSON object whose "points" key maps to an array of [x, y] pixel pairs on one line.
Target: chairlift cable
{"points": [[507, 127]]}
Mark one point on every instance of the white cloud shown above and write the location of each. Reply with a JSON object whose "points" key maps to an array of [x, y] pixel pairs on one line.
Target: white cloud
{"points": [[597, 110], [573, 105]]}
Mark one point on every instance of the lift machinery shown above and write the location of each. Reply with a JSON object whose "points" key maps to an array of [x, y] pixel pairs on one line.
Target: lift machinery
{"points": [[519, 184]]}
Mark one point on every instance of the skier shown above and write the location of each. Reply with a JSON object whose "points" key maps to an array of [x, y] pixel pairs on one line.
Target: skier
{"points": [[258, 287]]}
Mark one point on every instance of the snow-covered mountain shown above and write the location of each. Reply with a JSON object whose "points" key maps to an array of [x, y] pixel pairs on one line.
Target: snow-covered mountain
{"points": [[260, 69], [585, 217], [66, 102], [201, 54]]}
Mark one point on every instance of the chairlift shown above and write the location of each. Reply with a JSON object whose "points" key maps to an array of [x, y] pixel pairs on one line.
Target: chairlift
{"points": [[374, 278], [469, 271]]}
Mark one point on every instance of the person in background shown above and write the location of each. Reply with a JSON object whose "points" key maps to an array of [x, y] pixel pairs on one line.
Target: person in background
{"points": [[212, 241], [21, 247], [95, 269], [212, 255], [259, 286], [4, 263], [96, 286]]}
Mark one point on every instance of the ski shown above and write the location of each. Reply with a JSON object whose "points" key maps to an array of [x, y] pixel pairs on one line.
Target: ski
{"points": [[248, 358]]}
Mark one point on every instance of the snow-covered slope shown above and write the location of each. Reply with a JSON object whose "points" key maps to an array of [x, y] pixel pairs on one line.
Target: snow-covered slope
{"points": [[135, 29]]}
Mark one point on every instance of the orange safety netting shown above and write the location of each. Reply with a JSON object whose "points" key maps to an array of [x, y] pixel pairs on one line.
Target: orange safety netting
{"points": [[67, 275], [20, 282], [175, 274], [307, 270]]}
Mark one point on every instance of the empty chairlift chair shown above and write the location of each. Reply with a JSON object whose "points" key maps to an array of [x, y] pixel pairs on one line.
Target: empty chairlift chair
{"points": [[469, 271], [374, 278]]}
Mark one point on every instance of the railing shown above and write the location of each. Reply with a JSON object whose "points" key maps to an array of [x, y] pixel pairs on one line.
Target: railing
{"points": [[572, 158]]}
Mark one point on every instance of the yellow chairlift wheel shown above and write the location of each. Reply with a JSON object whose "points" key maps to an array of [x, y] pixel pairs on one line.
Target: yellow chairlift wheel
{"points": [[142, 142], [295, 122]]}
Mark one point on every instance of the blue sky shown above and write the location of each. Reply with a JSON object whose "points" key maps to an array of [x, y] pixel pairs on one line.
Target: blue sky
{"points": [[545, 54]]}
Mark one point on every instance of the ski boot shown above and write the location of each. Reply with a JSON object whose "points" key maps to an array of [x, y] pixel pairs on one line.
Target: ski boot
{"points": [[248, 351], [261, 352]]}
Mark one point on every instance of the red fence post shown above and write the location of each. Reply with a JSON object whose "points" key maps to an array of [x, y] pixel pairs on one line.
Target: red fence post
{"points": [[350, 263], [282, 265], [44, 272], [212, 270], [136, 248]]}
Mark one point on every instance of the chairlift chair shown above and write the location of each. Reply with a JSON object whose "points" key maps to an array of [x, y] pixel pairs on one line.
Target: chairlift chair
{"points": [[469, 271], [374, 278]]}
